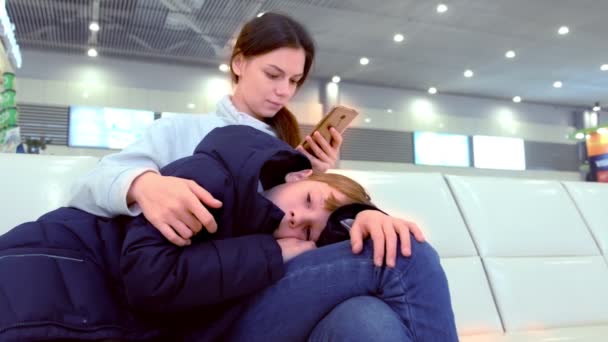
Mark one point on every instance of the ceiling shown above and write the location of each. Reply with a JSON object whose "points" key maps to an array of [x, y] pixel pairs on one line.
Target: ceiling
{"points": [[472, 34]]}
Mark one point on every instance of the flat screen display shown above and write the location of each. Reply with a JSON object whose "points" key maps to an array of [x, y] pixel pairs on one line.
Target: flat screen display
{"points": [[499, 153], [106, 127], [441, 149]]}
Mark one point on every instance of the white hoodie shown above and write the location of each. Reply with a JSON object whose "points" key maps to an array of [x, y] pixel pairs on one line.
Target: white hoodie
{"points": [[103, 191]]}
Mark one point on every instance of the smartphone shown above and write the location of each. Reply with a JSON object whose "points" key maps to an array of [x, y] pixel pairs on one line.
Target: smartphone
{"points": [[339, 117]]}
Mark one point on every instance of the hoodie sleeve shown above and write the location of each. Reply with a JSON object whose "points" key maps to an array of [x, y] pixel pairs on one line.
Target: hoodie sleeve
{"points": [[103, 191], [161, 277]]}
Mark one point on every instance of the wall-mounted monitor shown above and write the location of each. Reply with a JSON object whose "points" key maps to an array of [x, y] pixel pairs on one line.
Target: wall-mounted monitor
{"points": [[441, 149], [499, 153], [106, 127]]}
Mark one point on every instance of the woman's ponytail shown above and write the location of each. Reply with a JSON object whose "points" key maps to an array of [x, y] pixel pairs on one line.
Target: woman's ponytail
{"points": [[286, 127]]}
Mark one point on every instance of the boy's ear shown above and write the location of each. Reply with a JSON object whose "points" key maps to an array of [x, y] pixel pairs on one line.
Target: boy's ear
{"points": [[297, 175]]}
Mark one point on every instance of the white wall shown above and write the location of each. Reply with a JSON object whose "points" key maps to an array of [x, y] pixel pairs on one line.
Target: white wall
{"points": [[403, 110], [67, 79], [62, 79]]}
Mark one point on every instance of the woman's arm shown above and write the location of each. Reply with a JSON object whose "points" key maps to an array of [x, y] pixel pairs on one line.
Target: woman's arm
{"points": [[128, 183], [103, 191]]}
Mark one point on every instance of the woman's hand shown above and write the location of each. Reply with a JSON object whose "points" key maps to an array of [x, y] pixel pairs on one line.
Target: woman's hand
{"points": [[173, 205], [384, 231], [325, 154], [292, 247]]}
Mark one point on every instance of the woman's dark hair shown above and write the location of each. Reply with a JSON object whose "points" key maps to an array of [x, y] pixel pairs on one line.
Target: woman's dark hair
{"points": [[267, 33]]}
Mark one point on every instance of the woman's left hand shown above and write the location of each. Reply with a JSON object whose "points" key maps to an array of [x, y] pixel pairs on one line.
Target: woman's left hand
{"points": [[384, 231], [325, 154]]}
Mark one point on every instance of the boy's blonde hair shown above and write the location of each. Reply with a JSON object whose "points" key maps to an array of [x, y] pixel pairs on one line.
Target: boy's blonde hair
{"points": [[353, 191]]}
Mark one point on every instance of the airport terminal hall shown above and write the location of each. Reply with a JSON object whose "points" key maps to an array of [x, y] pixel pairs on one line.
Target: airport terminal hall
{"points": [[304, 170]]}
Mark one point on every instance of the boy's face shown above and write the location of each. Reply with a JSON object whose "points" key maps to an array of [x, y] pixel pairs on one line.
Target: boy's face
{"points": [[303, 202]]}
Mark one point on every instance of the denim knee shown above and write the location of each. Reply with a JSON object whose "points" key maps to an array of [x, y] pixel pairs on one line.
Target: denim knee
{"points": [[363, 318]]}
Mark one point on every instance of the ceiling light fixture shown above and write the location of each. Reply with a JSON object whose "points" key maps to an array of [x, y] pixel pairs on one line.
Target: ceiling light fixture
{"points": [[563, 30], [224, 67], [557, 84], [92, 52], [368, 120], [364, 61], [510, 54], [442, 8], [517, 99], [597, 107], [432, 90], [398, 38], [468, 73], [336, 79], [604, 67], [94, 26]]}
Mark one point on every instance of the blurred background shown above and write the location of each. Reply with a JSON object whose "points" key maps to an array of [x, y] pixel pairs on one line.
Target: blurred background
{"points": [[509, 88]]}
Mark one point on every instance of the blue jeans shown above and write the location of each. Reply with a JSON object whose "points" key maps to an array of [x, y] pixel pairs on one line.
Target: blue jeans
{"points": [[330, 294]]}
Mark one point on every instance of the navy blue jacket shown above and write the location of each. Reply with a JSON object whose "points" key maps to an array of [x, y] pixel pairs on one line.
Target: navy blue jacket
{"points": [[74, 275]]}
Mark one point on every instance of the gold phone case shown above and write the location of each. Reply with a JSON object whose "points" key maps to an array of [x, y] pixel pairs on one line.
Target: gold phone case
{"points": [[338, 117]]}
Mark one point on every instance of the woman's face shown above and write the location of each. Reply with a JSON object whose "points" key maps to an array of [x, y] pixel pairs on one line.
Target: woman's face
{"points": [[267, 82]]}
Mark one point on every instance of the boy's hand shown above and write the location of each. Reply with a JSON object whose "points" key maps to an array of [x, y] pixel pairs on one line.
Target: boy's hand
{"points": [[383, 230], [325, 154], [292, 247]]}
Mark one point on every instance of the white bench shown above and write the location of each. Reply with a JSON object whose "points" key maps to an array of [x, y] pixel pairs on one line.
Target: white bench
{"points": [[526, 259], [32, 185]]}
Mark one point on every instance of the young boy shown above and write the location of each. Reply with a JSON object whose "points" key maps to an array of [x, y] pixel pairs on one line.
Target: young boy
{"points": [[73, 275]]}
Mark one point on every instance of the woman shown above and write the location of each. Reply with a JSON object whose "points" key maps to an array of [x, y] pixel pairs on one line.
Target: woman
{"points": [[271, 60]]}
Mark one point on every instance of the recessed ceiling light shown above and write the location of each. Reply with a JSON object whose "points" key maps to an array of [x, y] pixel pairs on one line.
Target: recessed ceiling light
{"points": [[92, 52], [191, 106], [336, 79], [364, 61], [517, 99], [510, 54], [442, 8], [94, 26], [557, 84], [432, 90], [398, 38], [368, 120], [579, 136], [597, 107], [389, 110], [468, 73], [224, 67], [563, 30], [261, 14], [604, 67]]}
